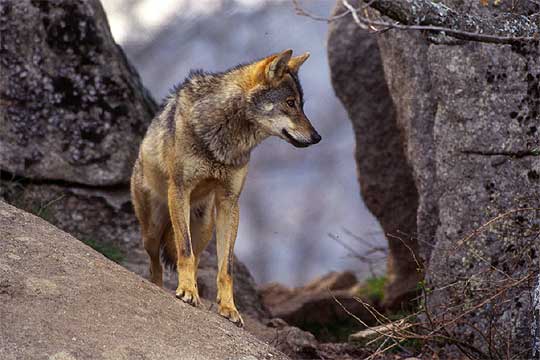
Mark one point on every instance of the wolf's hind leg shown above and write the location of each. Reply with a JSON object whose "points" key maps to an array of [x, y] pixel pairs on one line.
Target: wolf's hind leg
{"points": [[202, 221], [154, 218]]}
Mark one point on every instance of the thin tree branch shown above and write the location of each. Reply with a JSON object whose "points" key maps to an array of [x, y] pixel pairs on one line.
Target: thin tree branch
{"points": [[427, 15]]}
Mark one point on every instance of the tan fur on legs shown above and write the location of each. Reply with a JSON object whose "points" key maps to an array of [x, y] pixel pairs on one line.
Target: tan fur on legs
{"points": [[202, 222], [179, 210], [159, 220], [227, 227], [228, 214], [154, 220]]}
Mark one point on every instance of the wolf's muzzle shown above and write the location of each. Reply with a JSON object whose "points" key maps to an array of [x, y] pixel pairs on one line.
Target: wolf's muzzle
{"points": [[314, 138]]}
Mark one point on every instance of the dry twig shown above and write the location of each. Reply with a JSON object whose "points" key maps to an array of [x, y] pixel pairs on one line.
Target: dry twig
{"points": [[435, 18]]}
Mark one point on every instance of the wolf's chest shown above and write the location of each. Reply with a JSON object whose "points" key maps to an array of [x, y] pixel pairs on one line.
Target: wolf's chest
{"points": [[203, 189]]}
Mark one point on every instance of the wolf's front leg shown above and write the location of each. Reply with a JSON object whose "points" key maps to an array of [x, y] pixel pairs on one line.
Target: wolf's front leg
{"points": [[179, 209], [226, 229]]}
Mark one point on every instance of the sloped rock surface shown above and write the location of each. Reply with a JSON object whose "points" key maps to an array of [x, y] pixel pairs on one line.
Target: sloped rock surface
{"points": [[61, 299], [105, 216]]}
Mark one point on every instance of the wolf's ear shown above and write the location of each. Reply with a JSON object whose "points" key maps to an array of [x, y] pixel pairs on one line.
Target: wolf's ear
{"points": [[278, 66], [268, 70], [297, 61]]}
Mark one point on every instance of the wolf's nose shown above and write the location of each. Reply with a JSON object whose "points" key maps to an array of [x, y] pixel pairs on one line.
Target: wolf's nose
{"points": [[315, 138]]}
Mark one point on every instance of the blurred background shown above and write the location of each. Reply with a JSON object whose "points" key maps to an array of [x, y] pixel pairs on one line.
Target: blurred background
{"points": [[293, 198]]}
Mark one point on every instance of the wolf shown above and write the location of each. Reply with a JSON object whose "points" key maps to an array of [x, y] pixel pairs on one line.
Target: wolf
{"points": [[193, 162]]}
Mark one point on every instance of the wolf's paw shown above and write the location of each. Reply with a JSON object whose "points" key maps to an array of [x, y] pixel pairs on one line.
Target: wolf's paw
{"points": [[188, 295], [232, 314]]}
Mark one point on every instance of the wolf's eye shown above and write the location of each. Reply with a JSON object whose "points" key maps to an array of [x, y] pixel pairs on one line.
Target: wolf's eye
{"points": [[291, 103]]}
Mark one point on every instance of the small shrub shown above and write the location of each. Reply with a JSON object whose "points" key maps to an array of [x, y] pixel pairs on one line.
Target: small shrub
{"points": [[373, 288], [109, 251]]}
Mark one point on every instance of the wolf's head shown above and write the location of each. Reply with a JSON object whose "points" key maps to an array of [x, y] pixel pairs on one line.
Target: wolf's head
{"points": [[276, 101]]}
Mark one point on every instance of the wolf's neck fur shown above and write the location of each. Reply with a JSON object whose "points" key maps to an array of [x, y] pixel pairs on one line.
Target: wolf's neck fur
{"points": [[218, 118]]}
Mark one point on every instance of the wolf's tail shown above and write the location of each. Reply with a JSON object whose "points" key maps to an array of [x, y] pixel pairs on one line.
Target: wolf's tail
{"points": [[168, 248]]}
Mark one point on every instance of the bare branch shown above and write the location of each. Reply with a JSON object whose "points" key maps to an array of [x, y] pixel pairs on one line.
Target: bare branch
{"points": [[426, 15], [491, 221]]}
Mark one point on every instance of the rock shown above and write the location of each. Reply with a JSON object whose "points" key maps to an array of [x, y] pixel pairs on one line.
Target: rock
{"points": [[385, 176], [332, 281], [293, 341], [322, 313], [276, 323], [414, 121], [535, 328], [62, 300], [342, 351], [73, 108], [300, 344], [106, 217], [273, 294], [316, 307], [468, 114]]}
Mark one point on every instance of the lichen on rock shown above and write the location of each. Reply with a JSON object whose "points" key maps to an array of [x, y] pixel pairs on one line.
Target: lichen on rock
{"points": [[72, 107]]}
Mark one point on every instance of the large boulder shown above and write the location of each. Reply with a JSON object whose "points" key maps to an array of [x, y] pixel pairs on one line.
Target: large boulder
{"points": [[73, 112], [469, 115], [73, 108], [385, 176], [62, 300]]}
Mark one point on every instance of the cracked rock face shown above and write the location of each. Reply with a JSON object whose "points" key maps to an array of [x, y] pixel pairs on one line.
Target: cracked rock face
{"points": [[469, 117], [72, 108]]}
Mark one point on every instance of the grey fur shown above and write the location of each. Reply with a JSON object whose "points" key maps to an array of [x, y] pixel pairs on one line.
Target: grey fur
{"points": [[223, 120]]}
